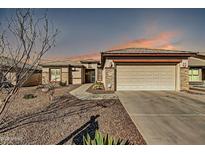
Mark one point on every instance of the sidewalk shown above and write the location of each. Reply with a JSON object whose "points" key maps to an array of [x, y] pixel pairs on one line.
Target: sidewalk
{"points": [[82, 94]]}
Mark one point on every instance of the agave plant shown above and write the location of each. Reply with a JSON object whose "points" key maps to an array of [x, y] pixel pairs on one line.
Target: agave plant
{"points": [[103, 140]]}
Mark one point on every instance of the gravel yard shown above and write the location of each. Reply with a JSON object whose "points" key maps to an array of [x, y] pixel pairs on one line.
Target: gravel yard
{"points": [[64, 120]]}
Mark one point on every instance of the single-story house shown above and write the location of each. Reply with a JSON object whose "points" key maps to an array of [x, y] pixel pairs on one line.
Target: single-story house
{"points": [[197, 70], [146, 69], [6, 64], [71, 72], [126, 69]]}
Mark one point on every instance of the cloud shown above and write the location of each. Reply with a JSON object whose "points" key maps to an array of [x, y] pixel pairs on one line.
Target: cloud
{"points": [[163, 40], [168, 47]]}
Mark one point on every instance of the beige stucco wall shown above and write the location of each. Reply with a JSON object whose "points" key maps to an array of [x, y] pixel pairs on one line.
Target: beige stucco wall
{"points": [[65, 75], [77, 76], [109, 63], [200, 74]]}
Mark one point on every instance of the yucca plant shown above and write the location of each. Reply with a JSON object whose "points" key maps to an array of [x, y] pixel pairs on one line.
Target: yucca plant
{"points": [[102, 140]]}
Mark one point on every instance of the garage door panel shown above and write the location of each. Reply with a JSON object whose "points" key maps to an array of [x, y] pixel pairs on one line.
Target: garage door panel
{"points": [[149, 77]]}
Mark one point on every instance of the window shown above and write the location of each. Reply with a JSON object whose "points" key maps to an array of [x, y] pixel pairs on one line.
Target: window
{"points": [[55, 74], [194, 75]]}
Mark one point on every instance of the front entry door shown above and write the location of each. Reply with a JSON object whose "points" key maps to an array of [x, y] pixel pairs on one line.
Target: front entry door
{"points": [[89, 75]]}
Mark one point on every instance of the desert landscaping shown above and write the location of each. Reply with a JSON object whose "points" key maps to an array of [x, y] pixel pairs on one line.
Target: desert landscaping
{"points": [[65, 119]]}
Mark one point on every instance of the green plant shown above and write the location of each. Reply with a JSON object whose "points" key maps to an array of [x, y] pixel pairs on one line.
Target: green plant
{"points": [[103, 140], [29, 96], [62, 83], [98, 86]]}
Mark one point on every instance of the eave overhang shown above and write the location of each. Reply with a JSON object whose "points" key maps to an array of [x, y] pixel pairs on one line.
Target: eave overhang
{"points": [[147, 61], [148, 55], [126, 55]]}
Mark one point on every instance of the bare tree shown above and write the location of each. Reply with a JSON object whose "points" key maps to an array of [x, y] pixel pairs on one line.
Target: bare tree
{"points": [[22, 44]]}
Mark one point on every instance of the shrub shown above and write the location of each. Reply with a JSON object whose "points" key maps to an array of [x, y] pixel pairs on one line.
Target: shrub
{"points": [[98, 86], [63, 84], [29, 96], [102, 140]]}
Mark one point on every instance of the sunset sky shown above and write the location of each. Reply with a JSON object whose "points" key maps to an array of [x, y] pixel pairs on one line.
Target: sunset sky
{"points": [[85, 31]]}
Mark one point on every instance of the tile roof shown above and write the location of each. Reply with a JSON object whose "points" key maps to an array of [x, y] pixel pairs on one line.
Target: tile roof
{"points": [[144, 51], [90, 61], [62, 63], [11, 63]]}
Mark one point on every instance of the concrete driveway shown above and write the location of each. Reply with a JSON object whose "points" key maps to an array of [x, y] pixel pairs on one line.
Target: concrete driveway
{"points": [[167, 117]]}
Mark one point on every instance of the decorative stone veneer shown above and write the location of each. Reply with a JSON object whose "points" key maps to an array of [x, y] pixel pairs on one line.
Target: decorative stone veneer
{"points": [[45, 75], [99, 76], [184, 78], [109, 79]]}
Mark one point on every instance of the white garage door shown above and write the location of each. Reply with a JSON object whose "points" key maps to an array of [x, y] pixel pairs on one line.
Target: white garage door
{"points": [[145, 77]]}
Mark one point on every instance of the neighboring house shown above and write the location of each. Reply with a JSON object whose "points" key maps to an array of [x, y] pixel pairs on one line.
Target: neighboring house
{"points": [[34, 80], [70, 72], [146, 69], [197, 70]]}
